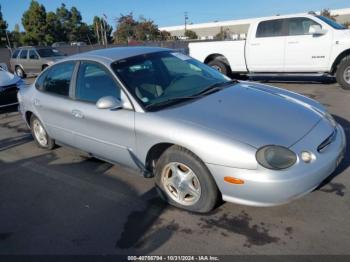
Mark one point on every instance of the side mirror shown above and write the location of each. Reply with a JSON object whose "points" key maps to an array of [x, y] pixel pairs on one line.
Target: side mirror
{"points": [[317, 30], [109, 102]]}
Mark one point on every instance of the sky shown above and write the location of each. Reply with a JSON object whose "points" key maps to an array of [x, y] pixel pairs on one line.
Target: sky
{"points": [[169, 13]]}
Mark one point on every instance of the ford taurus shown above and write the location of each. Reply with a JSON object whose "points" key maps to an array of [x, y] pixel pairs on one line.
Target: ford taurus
{"points": [[200, 134]]}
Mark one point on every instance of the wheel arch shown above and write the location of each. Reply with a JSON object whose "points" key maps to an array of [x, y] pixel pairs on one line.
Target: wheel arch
{"points": [[339, 58], [154, 154], [28, 115], [217, 56]]}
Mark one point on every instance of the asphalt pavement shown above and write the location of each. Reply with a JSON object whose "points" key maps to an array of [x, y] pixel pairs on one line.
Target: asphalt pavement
{"points": [[62, 202]]}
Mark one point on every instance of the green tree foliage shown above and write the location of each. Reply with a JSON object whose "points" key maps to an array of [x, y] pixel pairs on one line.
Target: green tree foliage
{"points": [[16, 37], [191, 34], [3, 28], [34, 23], [128, 29]]}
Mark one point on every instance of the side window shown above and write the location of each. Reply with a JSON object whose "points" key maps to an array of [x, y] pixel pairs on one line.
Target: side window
{"points": [[33, 55], [24, 54], [270, 28], [15, 54], [300, 25], [94, 82], [58, 79]]}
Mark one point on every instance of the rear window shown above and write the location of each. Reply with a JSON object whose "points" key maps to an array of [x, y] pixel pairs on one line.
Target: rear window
{"points": [[271, 28], [57, 80], [15, 54], [23, 54]]}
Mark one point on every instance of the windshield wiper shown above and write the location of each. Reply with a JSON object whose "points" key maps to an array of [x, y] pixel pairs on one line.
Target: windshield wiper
{"points": [[216, 87], [211, 89], [169, 101]]}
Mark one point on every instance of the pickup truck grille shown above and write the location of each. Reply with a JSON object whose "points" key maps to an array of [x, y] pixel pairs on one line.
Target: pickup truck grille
{"points": [[327, 141]]}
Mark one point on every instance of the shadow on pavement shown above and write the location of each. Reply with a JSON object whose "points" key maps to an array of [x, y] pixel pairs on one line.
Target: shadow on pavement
{"points": [[337, 187]]}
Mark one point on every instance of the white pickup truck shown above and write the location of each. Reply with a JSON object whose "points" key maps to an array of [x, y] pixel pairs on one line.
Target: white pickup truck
{"points": [[283, 45]]}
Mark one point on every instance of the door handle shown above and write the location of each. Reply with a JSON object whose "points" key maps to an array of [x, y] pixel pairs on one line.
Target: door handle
{"points": [[255, 44], [77, 113], [293, 42], [36, 102]]}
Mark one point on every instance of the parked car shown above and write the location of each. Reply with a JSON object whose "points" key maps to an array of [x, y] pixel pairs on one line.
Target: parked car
{"points": [[32, 60], [199, 133], [9, 85], [3, 66], [78, 44], [60, 44], [283, 45]]}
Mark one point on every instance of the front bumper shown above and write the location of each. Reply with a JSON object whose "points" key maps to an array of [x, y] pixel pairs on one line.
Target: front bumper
{"points": [[264, 187]]}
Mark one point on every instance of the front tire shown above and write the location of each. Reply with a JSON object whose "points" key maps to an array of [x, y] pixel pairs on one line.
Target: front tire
{"points": [[184, 181], [220, 66], [343, 73], [40, 135]]}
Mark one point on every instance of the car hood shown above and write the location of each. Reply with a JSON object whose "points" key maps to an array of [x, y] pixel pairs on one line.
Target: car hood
{"points": [[250, 114], [6, 78]]}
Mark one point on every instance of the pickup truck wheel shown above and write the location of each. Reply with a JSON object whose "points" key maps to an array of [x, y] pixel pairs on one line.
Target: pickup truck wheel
{"points": [[220, 66], [343, 73], [40, 135], [184, 181]]}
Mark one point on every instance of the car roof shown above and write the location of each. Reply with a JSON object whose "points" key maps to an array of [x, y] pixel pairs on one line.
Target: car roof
{"points": [[109, 55]]}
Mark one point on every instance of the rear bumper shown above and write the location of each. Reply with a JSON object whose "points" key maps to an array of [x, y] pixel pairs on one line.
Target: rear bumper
{"points": [[265, 187]]}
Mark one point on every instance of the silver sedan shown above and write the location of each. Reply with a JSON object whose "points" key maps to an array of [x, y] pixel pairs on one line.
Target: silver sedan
{"points": [[200, 134]]}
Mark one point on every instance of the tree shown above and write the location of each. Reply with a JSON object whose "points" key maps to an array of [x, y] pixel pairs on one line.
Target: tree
{"points": [[191, 34], [54, 28], [125, 29], [16, 36], [165, 35], [146, 30], [327, 13], [34, 23], [3, 28], [129, 29], [100, 31], [223, 34]]}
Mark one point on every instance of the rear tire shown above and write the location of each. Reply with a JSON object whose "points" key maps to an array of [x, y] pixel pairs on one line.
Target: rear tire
{"points": [[40, 135], [220, 66], [343, 73], [184, 181]]}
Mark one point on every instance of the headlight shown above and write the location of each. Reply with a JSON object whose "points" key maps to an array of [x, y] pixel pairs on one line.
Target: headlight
{"points": [[275, 157], [330, 118]]}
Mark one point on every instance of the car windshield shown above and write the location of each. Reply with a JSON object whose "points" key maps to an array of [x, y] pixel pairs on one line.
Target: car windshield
{"points": [[168, 76], [49, 52], [331, 22]]}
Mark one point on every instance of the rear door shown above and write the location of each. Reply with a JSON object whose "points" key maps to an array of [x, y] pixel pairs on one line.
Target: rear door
{"points": [[106, 133], [306, 52], [266, 49], [23, 59], [33, 62], [53, 102]]}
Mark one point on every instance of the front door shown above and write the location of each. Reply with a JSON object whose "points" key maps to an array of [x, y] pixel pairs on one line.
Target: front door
{"points": [[105, 133], [306, 52]]}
